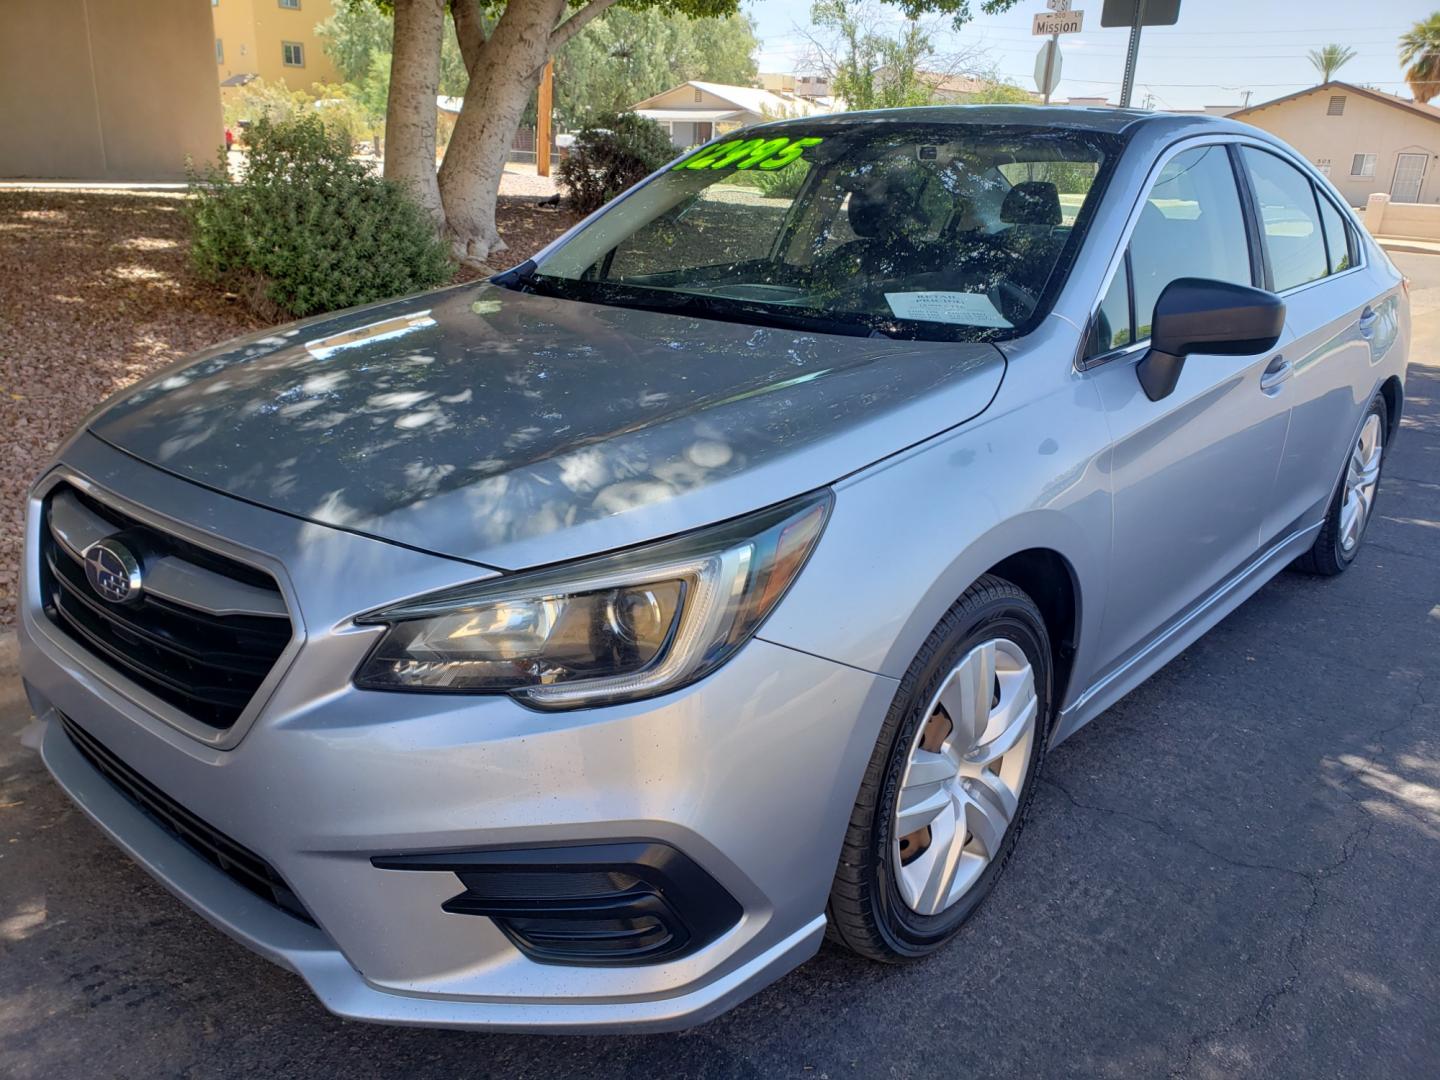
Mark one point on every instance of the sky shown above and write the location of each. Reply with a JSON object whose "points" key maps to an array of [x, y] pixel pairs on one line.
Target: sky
{"points": [[1218, 50]]}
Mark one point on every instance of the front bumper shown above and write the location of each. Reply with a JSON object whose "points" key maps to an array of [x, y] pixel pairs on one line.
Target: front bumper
{"points": [[751, 774]]}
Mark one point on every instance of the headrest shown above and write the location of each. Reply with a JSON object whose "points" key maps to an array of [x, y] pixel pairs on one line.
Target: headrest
{"points": [[1031, 202], [869, 212]]}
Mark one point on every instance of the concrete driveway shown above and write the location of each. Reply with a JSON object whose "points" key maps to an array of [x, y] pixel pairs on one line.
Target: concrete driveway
{"points": [[1236, 871]]}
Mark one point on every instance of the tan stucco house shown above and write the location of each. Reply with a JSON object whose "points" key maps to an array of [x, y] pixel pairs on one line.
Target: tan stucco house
{"points": [[695, 112], [1365, 140], [106, 89]]}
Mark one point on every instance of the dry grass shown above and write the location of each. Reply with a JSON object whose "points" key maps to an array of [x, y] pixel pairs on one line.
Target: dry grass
{"points": [[95, 293]]}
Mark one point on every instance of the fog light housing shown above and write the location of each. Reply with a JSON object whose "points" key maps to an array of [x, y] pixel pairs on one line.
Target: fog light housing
{"points": [[633, 902]]}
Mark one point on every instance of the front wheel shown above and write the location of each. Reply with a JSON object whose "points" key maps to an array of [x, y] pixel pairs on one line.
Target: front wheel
{"points": [[950, 780], [1354, 501]]}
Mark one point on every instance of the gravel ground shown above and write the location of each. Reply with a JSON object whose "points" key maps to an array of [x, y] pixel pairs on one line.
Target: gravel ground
{"points": [[96, 292]]}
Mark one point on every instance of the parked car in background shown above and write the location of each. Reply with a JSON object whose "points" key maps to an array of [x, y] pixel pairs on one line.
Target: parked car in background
{"points": [[575, 650]]}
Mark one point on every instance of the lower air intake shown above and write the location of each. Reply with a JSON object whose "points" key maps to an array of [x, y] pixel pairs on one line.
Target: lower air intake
{"points": [[597, 904]]}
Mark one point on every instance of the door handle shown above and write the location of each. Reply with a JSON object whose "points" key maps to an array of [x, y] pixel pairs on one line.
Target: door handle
{"points": [[1366, 322], [1276, 372]]}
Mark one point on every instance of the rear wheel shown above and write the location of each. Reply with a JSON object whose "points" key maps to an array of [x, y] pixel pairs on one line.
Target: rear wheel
{"points": [[950, 780], [1354, 502]]}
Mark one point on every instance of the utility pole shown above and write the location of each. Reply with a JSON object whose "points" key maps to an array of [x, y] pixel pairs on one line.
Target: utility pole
{"points": [[543, 107], [1132, 54]]}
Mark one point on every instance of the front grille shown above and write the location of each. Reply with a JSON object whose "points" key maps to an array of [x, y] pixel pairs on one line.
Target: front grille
{"points": [[207, 663], [239, 863]]}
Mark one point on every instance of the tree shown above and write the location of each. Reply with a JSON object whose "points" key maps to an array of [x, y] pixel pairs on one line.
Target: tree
{"points": [[867, 68], [871, 65], [1330, 59], [505, 45], [1420, 53], [626, 56]]}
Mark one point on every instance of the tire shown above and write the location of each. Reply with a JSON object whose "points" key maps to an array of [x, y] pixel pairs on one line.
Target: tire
{"points": [[869, 911], [1334, 550]]}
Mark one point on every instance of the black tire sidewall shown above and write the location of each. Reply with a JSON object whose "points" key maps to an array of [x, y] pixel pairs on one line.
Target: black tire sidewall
{"points": [[905, 932]]}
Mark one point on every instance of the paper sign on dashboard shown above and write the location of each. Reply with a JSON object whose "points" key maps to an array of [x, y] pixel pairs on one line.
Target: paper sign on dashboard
{"points": [[969, 309]]}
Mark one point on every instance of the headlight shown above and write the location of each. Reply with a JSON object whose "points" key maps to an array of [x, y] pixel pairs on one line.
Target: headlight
{"points": [[619, 627]]}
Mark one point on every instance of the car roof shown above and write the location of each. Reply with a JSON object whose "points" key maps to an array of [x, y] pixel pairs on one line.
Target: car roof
{"points": [[1073, 117]]}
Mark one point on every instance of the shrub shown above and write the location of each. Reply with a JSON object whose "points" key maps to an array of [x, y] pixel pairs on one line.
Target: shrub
{"points": [[308, 229], [614, 153], [782, 183], [261, 100]]}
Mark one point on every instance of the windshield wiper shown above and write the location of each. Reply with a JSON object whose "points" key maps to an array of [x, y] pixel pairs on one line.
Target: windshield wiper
{"points": [[677, 302]]}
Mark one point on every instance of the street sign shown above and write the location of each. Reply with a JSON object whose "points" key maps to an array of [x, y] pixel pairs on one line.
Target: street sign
{"points": [[1153, 13], [1047, 68], [1058, 5], [1049, 23], [1137, 14]]}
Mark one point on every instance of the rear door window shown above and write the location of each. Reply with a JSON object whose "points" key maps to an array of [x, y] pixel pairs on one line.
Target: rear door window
{"points": [[1339, 245], [1289, 220]]}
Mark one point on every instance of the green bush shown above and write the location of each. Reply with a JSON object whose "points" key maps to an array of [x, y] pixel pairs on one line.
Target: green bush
{"points": [[616, 152], [307, 229], [782, 183]]}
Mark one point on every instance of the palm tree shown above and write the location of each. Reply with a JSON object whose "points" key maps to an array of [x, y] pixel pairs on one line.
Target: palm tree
{"points": [[1331, 59], [1420, 53]]}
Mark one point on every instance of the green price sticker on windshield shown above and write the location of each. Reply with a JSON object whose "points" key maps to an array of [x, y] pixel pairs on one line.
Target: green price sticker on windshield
{"points": [[758, 153]]}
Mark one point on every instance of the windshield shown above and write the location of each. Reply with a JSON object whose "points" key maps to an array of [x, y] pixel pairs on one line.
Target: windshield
{"points": [[943, 231]]}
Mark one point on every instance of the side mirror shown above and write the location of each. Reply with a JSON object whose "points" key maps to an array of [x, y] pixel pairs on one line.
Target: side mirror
{"points": [[1196, 315]]}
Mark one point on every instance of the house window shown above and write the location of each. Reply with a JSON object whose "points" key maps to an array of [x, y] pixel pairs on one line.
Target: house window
{"points": [[1362, 165], [699, 96], [1323, 164], [294, 53], [219, 51], [1337, 105], [292, 5]]}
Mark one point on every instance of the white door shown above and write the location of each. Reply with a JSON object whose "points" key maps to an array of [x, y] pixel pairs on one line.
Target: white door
{"points": [[1409, 172]]}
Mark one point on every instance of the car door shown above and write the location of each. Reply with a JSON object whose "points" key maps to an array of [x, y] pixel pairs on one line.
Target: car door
{"points": [[1191, 474], [1310, 256]]}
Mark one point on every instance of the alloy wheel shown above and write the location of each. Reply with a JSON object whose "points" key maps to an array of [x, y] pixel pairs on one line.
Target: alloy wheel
{"points": [[1362, 477], [963, 782]]}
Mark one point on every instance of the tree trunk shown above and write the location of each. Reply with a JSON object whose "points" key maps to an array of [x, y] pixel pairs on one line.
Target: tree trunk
{"points": [[501, 81], [410, 109]]}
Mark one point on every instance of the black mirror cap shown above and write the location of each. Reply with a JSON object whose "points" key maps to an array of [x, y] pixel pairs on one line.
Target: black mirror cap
{"points": [[1197, 315]]}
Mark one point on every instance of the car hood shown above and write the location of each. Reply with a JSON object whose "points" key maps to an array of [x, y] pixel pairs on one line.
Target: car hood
{"points": [[514, 430]]}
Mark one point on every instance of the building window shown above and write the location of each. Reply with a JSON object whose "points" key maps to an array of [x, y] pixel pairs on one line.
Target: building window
{"points": [[294, 53], [1337, 105], [1323, 164], [219, 51], [292, 5], [1362, 165], [699, 96]]}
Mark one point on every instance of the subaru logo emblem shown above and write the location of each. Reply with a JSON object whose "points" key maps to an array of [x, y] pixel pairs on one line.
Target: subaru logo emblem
{"points": [[113, 571]]}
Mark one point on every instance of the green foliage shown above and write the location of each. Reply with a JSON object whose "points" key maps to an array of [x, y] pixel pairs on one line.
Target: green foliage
{"points": [[344, 111], [1330, 59], [619, 151], [1420, 54], [308, 229], [353, 35], [259, 100], [626, 56], [999, 92], [872, 69], [358, 36], [782, 183]]}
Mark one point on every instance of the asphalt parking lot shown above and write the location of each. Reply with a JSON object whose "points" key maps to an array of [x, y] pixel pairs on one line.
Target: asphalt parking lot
{"points": [[1235, 871]]}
